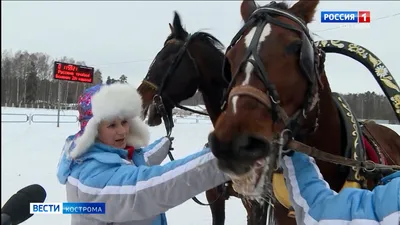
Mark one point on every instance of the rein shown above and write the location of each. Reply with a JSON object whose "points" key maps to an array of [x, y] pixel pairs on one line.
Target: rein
{"points": [[160, 107], [368, 167]]}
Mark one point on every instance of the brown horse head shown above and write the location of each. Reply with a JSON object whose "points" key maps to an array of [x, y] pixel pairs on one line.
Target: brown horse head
{"points": [[274, 85], [176, 70]]}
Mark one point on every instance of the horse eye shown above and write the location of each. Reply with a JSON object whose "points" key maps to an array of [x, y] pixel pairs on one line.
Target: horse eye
{"points": [[293, 47]]}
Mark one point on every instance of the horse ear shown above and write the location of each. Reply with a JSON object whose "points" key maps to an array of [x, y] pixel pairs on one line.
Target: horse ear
{"points": [[247, 8], [171, 27], [305, 9], [179, 32]]}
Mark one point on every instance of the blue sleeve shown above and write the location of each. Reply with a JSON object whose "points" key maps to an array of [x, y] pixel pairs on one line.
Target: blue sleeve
{"points": [[156, 152], [315, 203], [139, 193]]}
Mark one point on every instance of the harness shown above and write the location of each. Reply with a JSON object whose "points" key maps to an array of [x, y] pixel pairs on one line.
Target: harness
{"points": [[312, 66], [159, 97]]}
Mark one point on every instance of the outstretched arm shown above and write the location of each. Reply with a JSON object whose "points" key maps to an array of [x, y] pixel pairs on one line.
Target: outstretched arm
{"points": [[140, 193], [315, 203]]}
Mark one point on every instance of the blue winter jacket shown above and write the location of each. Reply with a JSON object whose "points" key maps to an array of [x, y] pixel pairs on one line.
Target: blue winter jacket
{"points": [[137, 191], [315, 203]]}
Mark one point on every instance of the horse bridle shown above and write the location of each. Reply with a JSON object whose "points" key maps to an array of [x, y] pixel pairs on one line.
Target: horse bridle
{"points": [[158, 99], [310, 64]]}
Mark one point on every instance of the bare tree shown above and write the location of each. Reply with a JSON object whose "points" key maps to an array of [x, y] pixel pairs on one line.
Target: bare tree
{"points": [[28, 77], [31, 84]]}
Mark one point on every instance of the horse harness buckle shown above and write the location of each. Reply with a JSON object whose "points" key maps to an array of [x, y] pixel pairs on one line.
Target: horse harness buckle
{"points": [[369, 166], [158, 102]]}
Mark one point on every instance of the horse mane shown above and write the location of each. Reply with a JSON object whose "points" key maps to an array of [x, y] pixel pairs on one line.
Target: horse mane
{"points": [[203, 37], [280, 5], [209, 39]]}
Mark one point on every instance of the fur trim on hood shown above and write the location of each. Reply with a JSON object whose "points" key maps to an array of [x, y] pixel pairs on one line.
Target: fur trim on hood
{"points": [[106, 102]]}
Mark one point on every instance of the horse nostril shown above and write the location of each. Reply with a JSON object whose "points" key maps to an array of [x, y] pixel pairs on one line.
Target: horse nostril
{"points": [[251, 147], [219, 148]]}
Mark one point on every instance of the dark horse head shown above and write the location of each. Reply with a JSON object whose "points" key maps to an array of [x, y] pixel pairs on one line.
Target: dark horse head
{"points": [[180, 69], [273, 88]]}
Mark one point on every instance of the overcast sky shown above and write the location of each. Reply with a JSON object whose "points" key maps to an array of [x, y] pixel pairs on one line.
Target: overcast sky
{"points": [[123, 37]]}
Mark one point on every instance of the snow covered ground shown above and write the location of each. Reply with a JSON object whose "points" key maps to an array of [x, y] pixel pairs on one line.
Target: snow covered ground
{"points": [[30, 153]]}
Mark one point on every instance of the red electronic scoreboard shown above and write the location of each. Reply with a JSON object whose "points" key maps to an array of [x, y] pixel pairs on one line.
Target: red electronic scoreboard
{"points": [[72, 72]]}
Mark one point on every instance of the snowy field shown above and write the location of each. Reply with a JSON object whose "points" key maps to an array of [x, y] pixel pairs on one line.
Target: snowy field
{"points": [[30, 153]]}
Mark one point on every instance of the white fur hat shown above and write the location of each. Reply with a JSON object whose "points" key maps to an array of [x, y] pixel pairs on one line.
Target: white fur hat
{"points": [[104, 102]]}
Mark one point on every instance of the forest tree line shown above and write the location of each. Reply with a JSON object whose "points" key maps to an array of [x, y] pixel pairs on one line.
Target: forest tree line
{"points": [[27, 78]]}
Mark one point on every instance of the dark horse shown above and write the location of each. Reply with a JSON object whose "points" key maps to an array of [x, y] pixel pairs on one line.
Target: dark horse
{"points": [[185, 64], [278, 83]]}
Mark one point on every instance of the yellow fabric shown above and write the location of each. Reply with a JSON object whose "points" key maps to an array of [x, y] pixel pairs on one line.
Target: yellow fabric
{"points": [[282, 195]]}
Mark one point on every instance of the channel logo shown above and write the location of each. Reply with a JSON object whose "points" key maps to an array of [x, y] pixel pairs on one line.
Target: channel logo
{"points": [[68, 208], [345, 16]]}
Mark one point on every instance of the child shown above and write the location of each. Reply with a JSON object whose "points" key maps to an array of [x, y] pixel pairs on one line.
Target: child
{"points": [[109, 160]]}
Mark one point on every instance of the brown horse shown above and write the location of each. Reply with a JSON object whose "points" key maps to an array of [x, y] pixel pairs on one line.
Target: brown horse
{"points": [[278, 82], [185, 64]]}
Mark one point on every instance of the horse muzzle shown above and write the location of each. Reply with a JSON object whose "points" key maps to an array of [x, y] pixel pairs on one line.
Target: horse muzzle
{"points": [[240, 154], [154, 117]]}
